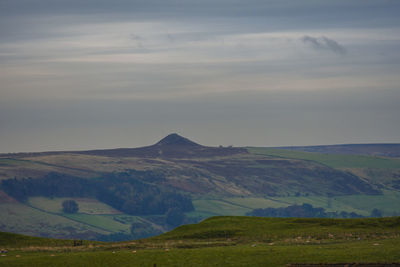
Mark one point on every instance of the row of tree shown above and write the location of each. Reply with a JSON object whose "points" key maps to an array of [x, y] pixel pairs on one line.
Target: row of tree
{"points": [[307, 211], [141, 229]]}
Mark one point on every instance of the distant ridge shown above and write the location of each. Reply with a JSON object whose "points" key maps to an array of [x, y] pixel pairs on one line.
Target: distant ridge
{"points": [[382, 150], [171, 146]]}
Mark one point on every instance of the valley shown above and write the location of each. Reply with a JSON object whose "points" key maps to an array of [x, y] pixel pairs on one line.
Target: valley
{"points": [[217, 180]]}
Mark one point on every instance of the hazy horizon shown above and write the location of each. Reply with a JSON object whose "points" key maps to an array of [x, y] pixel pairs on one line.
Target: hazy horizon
{"points": [[79, 75], [214, 145]]}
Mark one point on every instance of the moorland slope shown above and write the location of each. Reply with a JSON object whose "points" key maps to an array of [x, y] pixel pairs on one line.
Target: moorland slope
{"points": [[118, 188]]}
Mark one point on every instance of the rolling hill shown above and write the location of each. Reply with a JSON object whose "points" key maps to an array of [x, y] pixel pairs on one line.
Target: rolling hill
{"points": [[117, 188], [225, 241], [382, 150]]}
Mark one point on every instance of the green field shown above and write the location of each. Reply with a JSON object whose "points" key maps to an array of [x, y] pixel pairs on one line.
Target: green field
{"points": [[388, 203], [219, 207], [17, 241], [86, 205], [20, 218], [104, 222], [255, 203], [332, 160], [252, 229], [242, 255], [219, 186], [334, 204], [91, 212], [225, 241]]}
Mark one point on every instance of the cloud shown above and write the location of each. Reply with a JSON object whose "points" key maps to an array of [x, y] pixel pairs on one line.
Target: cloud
{"points": [[137, 39], [324, 43]]}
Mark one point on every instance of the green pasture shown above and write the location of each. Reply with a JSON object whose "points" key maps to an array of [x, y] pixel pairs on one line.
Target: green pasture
{"points": [[86, 205], [333, 204], [388, 203], [256, 203], [20, 218], [16, 241], [332, 160], [104, 222], [252, 229], [242, 255], [218, 207], [229, 241]]}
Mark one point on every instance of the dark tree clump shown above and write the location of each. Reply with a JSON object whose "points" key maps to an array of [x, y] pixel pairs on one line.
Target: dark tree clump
{"points": [[130, 192], [174, 217], [303, 211], [70, 206], [375, 213]]}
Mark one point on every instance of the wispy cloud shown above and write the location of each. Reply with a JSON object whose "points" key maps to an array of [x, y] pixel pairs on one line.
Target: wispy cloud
{"points": [[140, 67], [324, 43]]}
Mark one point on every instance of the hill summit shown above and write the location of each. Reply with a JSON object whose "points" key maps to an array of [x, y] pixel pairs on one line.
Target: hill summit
{"points": [[176, 140], [171, 146]]}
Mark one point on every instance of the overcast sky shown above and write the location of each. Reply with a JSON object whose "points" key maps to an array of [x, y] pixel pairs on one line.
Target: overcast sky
{"points": [[83, 74]]}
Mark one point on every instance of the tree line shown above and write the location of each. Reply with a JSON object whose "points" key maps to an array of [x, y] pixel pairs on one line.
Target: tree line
{"points": [[307, 211], [125, 191]]}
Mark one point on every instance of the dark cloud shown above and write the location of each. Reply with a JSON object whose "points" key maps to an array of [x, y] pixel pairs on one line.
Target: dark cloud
{"points": [[324, 43], [325, 13]]}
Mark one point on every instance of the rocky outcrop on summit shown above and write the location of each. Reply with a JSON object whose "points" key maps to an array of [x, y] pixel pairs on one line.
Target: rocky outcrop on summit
{"points": [[176, 140]]}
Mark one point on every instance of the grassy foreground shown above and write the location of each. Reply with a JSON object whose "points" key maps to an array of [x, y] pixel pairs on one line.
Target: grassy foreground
{"points": [[224, 241]]}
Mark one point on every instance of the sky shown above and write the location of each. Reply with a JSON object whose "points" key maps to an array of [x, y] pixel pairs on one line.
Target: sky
{"points": [[86, 74]]}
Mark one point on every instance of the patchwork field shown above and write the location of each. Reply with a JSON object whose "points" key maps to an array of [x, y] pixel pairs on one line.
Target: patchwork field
{"points": [[107, 223], [219, 207], [86, 205], [44, 217], [388, 203], [20, 218], [212, 180]]}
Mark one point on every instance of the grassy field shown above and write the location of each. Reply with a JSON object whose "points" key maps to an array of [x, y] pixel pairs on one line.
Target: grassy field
{"points": [[17, 217], [91, 212], [107, 223], [86, 205], [255, 203], [218, 207], [335, 204], [332, 160], [388, 203], [225, 241], [45, 217], [242, 255], [251, 229], [16, 241]]}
